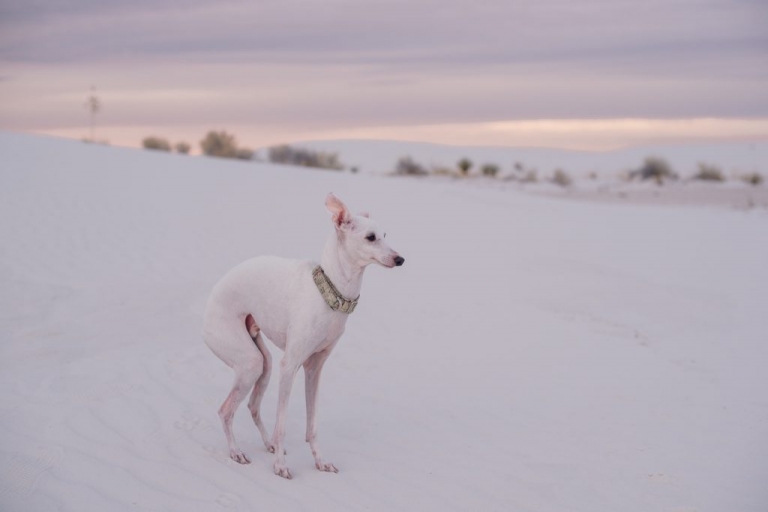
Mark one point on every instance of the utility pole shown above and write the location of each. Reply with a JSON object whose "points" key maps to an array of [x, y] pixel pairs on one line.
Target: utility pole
{"points": [[93, 104]]}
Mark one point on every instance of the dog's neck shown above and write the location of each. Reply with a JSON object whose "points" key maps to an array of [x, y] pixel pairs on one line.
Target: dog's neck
{"points": [[345, 274]]}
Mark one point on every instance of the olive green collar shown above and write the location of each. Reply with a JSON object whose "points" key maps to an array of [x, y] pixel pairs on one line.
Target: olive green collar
{"points": [[333, 298]]}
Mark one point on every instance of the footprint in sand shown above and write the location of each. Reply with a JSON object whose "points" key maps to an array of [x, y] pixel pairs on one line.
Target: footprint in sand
{"points": [[662, 478], [216, 454], [188, 422], [228, 500], [20, 472]]}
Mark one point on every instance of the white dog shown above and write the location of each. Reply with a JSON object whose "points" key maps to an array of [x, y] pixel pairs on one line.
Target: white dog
{"points": [[302, 308]]}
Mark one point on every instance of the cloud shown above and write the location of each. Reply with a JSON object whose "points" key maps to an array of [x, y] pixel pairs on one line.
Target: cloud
{"points": [[353, 31], [352, 64]]}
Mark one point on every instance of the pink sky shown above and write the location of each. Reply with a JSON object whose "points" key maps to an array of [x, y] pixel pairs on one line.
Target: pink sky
{"points": [[580, 74]]}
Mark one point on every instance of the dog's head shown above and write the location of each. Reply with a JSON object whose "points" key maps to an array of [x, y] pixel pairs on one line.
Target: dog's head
{"points": [[360, 237]]}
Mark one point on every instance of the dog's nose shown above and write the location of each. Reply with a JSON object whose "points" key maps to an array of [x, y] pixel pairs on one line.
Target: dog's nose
{"points": [[399, 260]]}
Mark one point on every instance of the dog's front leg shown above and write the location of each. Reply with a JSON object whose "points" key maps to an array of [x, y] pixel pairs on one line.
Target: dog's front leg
{"points": [[312, 369], [288, 369]]}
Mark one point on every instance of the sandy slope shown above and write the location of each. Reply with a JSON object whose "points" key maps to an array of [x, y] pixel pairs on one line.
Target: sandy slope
{"points": [[533, 354]]}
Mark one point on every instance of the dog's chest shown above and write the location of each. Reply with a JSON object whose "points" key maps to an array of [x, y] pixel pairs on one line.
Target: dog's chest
{"points": [[332, 330]]}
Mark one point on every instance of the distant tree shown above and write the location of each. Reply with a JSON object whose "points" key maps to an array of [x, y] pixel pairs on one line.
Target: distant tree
{"points": [[654, 168], [561, 178], [490, 170], [709, 173], [753, 178], [219, 143], [93, 104], [465, 164], [289, 155], [409, 167], [182, 147], [156, 143]]}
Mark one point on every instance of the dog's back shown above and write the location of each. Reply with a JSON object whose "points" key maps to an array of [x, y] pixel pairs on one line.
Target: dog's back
{"points": [[266, 287]]}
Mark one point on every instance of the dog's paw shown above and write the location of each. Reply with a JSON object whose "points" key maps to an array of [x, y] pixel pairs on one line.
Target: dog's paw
{"points": [[271, 448], [326, 466], [239, 457], [283, 471]]}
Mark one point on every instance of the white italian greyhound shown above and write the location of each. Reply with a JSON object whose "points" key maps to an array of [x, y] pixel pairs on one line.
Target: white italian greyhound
{"points": [[302, 308]]}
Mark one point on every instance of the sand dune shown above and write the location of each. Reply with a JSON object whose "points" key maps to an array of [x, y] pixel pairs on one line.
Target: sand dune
{"points": [[533, 353]]}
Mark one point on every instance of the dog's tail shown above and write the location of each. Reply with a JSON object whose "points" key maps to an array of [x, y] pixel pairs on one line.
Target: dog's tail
{"points": [[255, 334]]}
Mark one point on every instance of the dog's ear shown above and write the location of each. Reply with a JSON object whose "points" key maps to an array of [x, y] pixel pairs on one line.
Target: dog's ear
{"points": [[338, 210]]}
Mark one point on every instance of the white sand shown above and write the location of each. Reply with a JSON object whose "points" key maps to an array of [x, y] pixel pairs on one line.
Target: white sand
{"points": [[533, 354], [731, 194]]}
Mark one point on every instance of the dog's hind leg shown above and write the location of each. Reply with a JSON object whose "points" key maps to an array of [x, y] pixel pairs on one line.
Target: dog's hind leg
{"points": [[254, 403], [235, 347], [244, 380]]}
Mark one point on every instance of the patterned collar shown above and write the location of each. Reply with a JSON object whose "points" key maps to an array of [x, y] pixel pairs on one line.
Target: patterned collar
{"points": [[333, 298]]}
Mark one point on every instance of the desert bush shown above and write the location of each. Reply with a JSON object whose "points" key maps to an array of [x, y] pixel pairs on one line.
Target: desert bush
{"points": [[531, 176], [464, 165], [440, 170], [156, 143], [709, 173], [561, 178], [221, 144], [653, 168], [519, 167], [753, 178], [490, 170], [244, 154], [409, 167], [290, 155], [182, 147]]}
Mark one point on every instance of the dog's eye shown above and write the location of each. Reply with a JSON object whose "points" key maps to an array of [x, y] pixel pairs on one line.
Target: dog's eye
{"points": [[371, 237]]}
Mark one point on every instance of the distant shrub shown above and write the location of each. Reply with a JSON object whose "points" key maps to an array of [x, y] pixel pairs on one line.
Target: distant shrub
{"points": [[519, 166], [156, 143], [593, 175], [654, 168], [530, 177], [464, 165], [490, 170], [561, 178], [409, 167], [182, 147], [440, 170], [753, 178], [304, 157], [353, 169], [219, 143], [244, 154], [709, 173]]}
